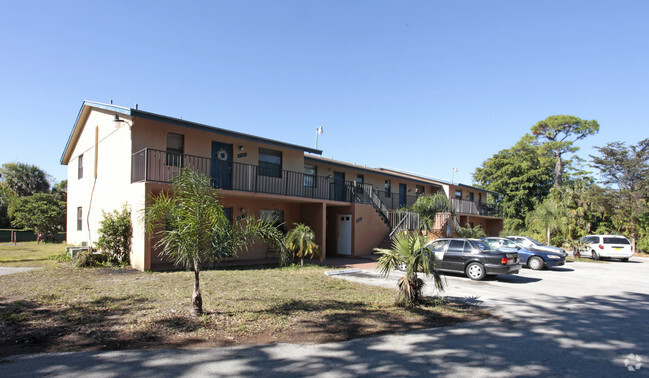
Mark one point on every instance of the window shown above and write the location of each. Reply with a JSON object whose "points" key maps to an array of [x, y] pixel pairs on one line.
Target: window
{"points": [[276, 217], [456, 246], [388, 188], [471, 196], [359, 182], [419, 190], [438, 246], [458, 194], [79, 218], [310, 174], [270, 163], [175, 149], [80, 169]]}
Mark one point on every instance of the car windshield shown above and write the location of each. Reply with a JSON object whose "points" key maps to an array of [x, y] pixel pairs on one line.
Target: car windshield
{"points": [[624, 241], [484, 247], [500, 243], [534, 242]]}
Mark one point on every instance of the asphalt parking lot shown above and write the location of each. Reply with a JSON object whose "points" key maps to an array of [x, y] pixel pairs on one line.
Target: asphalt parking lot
{"points": [[598, 313], [581, 320]]}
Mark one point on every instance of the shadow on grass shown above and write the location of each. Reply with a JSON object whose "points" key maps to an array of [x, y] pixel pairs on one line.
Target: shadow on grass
{"points": [[28, 326], [342, 320]]}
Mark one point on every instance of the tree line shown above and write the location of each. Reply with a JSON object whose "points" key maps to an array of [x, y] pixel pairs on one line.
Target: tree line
{"points": [[29, 200], [550, 192]]}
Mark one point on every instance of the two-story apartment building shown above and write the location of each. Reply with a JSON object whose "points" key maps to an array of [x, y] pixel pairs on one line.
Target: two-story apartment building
{"points": [[117, 155]]}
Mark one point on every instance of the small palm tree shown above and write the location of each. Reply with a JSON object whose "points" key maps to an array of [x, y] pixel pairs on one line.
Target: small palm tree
{"points": [[301, 242], [409, 252], [193, 230], [471, 232]]}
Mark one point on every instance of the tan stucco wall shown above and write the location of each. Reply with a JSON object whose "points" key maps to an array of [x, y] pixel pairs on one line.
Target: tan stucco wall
{"points": [[368, 230], [112, 187], [466, 191], [313, 215], [153, 134]]}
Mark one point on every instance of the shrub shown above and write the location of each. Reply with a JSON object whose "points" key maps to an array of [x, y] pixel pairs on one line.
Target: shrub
{"points": [[115, 235], [86, 259], [470, 232]]}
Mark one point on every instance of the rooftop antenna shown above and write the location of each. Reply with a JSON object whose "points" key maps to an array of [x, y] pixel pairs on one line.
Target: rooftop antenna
{"points": [[453, 176], [318, 131]]}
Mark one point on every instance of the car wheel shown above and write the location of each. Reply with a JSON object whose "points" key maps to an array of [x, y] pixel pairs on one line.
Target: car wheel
{"points": [[626, 259], [594, 255], [475, 271], [535, 263]]}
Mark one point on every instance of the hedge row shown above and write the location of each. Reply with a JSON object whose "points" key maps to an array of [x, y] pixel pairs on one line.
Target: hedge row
{"points": [[25, 236]]}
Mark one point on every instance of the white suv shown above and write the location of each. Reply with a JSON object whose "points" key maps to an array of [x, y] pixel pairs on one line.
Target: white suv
{"points": [[614, 246]]}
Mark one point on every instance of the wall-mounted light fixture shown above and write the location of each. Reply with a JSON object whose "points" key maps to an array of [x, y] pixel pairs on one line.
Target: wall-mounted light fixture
{"points": [[117, 122], [240, 148]]}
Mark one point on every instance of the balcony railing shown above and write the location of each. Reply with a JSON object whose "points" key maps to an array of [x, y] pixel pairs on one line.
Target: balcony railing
{"points": [[476, 208], [159, 166]]}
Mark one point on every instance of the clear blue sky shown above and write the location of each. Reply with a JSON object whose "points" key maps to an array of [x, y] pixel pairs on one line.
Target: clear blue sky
{"points": [[419, 86]]}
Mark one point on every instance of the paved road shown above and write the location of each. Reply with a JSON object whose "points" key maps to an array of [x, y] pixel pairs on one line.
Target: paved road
{"points": [[581, 320]]}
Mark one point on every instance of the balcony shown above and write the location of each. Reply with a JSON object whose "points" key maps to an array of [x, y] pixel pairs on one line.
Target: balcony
{"points": [[150, 165], [476, 208]]}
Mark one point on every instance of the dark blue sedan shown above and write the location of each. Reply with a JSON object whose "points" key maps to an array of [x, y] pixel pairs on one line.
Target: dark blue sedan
{"points": [[531, 258]]}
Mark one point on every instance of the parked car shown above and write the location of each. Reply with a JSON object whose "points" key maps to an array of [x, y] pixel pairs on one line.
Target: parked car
{"points": [[613, 246], [532, 258], [472, 257], [532, 244]]}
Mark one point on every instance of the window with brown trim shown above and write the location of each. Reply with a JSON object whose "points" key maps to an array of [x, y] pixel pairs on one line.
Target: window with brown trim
{"points": [[175, 149], [80, 167], [79, 218]]}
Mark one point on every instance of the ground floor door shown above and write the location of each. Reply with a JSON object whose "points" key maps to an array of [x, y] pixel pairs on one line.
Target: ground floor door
{"points": [[345, 234]]}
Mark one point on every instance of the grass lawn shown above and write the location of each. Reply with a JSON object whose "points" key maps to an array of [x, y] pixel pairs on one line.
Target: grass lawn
{"points": [[30, 254], [64, 308]]}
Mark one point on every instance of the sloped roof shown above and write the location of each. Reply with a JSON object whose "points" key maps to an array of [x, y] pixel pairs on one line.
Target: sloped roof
{"points": [[87, 107]]}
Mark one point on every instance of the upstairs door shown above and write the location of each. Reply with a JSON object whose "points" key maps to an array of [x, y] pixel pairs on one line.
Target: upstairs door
{"points": [[221, 170], [402, 195], [345, 234], [339, 186]]}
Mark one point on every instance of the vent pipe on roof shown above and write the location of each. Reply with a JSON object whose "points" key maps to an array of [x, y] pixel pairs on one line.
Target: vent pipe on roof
{"points": [[135, 106], [111, 102]]}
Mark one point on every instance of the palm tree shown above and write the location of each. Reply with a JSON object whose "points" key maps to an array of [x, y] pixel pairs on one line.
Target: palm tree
{"points": [[301, 242], [549, 216], [193, 230], [409, 252], [429, 205]]}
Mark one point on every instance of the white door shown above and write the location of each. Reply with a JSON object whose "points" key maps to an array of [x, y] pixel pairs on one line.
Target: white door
{"points": [[345, 234]]}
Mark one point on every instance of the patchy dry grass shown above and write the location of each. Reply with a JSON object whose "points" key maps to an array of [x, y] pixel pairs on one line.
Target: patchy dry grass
{"points": [[30, 254], [63, 308]]}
